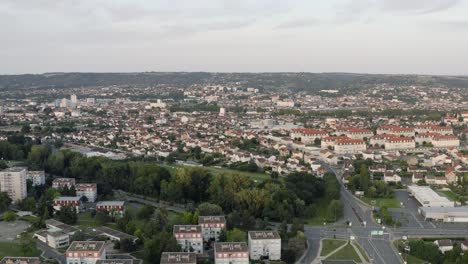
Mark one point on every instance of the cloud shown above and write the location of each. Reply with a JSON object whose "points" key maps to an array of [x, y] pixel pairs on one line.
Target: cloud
{"points": [[299, 23], [417, 6]]}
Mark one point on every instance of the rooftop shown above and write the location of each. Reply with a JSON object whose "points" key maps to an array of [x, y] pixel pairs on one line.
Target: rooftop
{"points": [[14, 169], [187, 229], [264, 235], [86, 246], [178, 257], [231, 247], [20, 260], [211, 219]]}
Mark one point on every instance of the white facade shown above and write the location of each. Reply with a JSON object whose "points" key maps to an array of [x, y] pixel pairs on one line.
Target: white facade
{"points": [[231, 253], [58, 239], [400, 143], [189, 237], [85, 252], [13, 182], [264, 245], [37, 177], [89, 190], [212, 226], [350, 146], [307, 135], [429, 198], [446, 141]]}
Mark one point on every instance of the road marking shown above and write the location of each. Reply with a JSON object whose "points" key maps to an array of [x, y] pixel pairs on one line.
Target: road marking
{"points": [[376, 251], [417, 221], [432, 225]]}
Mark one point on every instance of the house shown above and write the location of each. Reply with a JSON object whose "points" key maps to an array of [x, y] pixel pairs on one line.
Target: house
{"points": [[212, 226], [114, 208], [391, 176], [264, 245], [417, 176], [189, 237], [178, 258], [88, 190], [72, 201], [36, 177], [20, 260], [85, 252], [231, 253], [464, 245], [444, 245], [63, 182]]}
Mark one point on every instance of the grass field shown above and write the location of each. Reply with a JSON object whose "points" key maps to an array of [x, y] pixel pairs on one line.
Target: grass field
{"points": [[256, 176], [328, 245], [388, 202], [346, 253], [13, 250], [320, 213]]}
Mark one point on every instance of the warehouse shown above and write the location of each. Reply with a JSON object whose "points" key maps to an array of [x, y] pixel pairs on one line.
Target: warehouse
{"points": [[445, 214], [429, 198]]}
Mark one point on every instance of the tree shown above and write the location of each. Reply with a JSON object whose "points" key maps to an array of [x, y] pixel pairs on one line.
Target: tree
{"points": [[27, 244], [102, 217], [67, 215], [306, 186], [236, 235], [127, 245], [5, 201], [146, 212], [209, 209], [28, 204], [154, 247], [9, 216], [334, 210]]}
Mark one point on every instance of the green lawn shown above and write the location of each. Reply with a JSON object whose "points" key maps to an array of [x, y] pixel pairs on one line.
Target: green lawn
{"points": [[320, 213], [363, 253], [346, 253], [256, 176], [328, 245], [388, 202], [412, 259], [13, 250]]}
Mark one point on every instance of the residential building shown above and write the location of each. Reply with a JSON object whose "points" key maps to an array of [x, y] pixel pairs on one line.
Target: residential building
{"points": [[36, 177], [63, 182], [178, 258], [88, 190], [72, 201], [264, 245], [331, 141], [349, 146], [85, 252], [231, 253], [117, 261], [189, 237], [54, 237], [13, 182], [212, 226], [445, 141], [20, 260], [114, 208], [390, 176], [307, 135], [398, 143], [444, 245]]}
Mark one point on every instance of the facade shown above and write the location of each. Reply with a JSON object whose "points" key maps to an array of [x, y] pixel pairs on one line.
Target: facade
{"points": [[63, 182], [349, 146], [85, 252], [396, 130], [115, 208], [37, 177], [331, 141], [231, 253], [307, 135], [116, 261], [189, 237], [380, 139], [400, 143], [88, 190], [264, 245], [445, 214], [57, 239], [444, 245], [391, 176], [13, 182], [358, 133], [178, 258], [72, 201], [20, 260], [446, 141], [422, 138], [212, 226]]}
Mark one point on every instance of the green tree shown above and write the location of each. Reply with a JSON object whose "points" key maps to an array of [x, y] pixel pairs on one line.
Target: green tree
{"points": [[145, 212], [334, 210], [5, 201], [27, 244], [9, 216], [67, 215], [236, 235], [209, 209]]}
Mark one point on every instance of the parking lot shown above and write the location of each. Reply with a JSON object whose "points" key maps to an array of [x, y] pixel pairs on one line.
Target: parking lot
{"points": [[10, 230]]}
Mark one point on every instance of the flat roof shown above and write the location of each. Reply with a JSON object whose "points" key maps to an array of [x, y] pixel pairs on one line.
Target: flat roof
{"points": [[228, 247], [425, 195], [178, 257], [14, 169], [264, 235], [67, 198], [187, 229], [211, 219], [20, 260], [114, 261], [86, 246], [110, 203], [449, 211]]}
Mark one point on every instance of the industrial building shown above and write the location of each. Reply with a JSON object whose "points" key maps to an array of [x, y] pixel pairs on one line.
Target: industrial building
{"points": [[428, 197], [445, 214]]}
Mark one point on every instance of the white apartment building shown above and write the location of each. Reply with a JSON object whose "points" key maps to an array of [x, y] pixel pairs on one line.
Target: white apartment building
{"points": [[358, 133], [212, 226], [178, 258], [264, 245], [37, 177], [307, 135], [89, 190], [189, 237], [446, 141], [380, 139], [396, 130], [349, 146], [63, 182], [13, 182], [231, 253], [85, 252], [400, 143], [54, 237], [422, 138], [73, 201]]}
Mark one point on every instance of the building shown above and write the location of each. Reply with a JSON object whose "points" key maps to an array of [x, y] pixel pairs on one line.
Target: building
{"points": [[390, 176], [231, 253], [445, 141], [178, 258], [349, 146], [54, 238], [88, 190], [36, 177], [264, 245], [85, 252], [189, 237], [396, 130], [444, 245], [212, 226], [117, 261], [428, 197], [380, 139], [13, 182], [425, 138], [445, 214], [73, 201], [330, 141], [355, 133], [397, 143], [114, 208], [307, 135], [20, 260], [63, 182]]}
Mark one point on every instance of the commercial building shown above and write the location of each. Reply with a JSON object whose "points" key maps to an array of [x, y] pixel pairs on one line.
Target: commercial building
{"points": [[88, 190], [13, 182], [85, 252], [178, 258], [189, 237], [428, 197], [231, 253], [212, 226], [37, 177], [264, 245], [445, 214], [72, 201]]}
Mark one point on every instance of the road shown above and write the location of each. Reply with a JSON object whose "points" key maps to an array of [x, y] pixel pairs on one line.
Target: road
{"points": [[50, 253]]}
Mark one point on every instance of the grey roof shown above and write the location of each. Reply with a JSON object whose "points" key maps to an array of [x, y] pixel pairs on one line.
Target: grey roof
{"points": [[178, 257], [264, 235], [229, 247]]}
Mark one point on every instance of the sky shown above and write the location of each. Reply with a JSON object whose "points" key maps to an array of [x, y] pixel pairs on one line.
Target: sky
{"points": [[364, 36]]}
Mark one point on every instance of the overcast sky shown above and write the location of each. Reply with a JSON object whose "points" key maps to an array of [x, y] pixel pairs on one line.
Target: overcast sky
{"points": [[368, 36]]}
